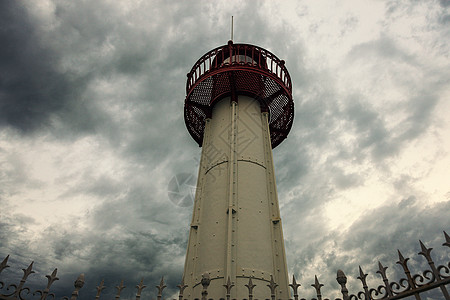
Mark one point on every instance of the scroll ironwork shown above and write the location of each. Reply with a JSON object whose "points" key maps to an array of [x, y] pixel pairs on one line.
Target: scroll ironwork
{"points": [[436, 277]]}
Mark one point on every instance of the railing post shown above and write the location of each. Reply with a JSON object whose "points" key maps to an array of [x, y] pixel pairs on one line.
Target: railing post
{"points": [[78, 285], [342, 280], [205, 283]]}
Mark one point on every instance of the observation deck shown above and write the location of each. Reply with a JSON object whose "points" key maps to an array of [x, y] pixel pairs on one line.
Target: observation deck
{"points": [[239, 69]]}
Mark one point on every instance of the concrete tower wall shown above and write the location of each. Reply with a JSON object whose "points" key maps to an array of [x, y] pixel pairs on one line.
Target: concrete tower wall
{"points": [[236, 229]]}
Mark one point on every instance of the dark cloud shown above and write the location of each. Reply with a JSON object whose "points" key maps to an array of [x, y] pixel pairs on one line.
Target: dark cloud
{"points": [[444, 3], [15, 235], [124, 239], [32, 88], [445, 18], [370, 130]]}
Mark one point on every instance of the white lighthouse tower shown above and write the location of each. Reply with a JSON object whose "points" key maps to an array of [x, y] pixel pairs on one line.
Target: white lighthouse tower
{"points": [[238, 108]]}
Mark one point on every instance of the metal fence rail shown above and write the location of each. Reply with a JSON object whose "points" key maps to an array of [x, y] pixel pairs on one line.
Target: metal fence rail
{"points": [[434, 278]]}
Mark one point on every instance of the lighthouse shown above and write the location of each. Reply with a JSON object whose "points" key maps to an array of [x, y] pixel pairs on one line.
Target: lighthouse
{"points": [[238, 107]]}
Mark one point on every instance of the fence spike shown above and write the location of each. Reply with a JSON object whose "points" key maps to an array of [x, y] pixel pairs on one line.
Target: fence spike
{"points": [[78, 284], [50, 279], [181, 286], [3, 266], [272, 285], [100, 288], [362, 276], [140, 287], [342, 280], [447, 240], [28, 270], [119, 288], [404, 263], [426, 252], [401, 259], [26, 273], [317, 285], [414, 285], [382, 272], [160, 288], [294, 285], [4, 263], [250, 286], [228, 287]]}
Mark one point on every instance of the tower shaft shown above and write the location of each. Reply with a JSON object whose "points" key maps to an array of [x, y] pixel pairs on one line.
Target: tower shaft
{"points": [[236, 228]]}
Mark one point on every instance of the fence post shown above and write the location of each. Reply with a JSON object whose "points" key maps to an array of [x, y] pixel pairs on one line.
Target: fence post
{"points": [[78, 285], [342, 280], [205, 283]]}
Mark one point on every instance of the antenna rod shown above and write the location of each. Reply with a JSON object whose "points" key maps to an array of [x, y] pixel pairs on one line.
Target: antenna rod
{"points": [[231, 27]]}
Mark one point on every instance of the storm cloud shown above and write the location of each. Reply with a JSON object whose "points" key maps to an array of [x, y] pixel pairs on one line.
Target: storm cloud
{"points": [[92, 133]]}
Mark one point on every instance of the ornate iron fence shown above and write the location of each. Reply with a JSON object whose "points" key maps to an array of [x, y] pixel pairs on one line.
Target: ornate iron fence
{"points": [[412, 285]]}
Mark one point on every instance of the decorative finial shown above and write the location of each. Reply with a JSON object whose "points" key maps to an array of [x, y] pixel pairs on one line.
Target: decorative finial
{"points": [[342, 280], [78, 284], [205, 283]]}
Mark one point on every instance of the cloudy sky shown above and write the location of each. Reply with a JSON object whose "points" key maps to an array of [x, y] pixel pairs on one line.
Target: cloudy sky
{"points": [[92, 133]]}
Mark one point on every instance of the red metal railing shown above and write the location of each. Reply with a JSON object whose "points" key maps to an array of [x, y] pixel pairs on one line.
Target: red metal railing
{"points": [[239, 69], [239, 56]]}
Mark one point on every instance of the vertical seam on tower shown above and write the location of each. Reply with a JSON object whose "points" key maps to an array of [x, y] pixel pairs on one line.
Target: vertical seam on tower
{"points": [[278, 247], [269, 189], [231, 192], [203, 161]]}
